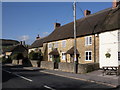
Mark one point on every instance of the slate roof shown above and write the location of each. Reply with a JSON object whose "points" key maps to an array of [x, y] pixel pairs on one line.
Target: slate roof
{"points": [[102, 21]]}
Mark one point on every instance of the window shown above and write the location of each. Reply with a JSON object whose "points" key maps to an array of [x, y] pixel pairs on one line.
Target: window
{"points": [[63, 56], [118, 56], [50, 56], [63, 43], [88, 55], [50, 45], [88, 40], [118, 36], [56, 45]]}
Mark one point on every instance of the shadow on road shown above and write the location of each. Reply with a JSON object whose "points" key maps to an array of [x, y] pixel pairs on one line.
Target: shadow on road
{"points": [[6, 76]]}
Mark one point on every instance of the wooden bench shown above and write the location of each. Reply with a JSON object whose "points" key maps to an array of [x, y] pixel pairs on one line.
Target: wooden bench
{"points": [[108, 70]]}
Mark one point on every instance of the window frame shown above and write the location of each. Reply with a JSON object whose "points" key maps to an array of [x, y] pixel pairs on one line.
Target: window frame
{"points": [[50, 57], [56, 45], [63, 54], [64, 43], [88, 40], [88, 56], [49, 45]]}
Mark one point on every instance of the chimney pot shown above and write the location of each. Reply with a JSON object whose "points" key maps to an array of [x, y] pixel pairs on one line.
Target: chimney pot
{"points": [[56, 25], [115, 3], [20, 42], [87, 12], [38, 37]]}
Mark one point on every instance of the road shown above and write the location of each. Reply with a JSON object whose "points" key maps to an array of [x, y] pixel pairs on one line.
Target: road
{"points": [[17, 77]]}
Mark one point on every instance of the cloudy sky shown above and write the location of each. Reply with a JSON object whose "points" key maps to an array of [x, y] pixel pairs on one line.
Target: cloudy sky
{"points": [[25, 20]]}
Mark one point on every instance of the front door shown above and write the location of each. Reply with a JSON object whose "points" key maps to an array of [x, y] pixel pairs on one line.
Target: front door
{"points": [[56, 61]]}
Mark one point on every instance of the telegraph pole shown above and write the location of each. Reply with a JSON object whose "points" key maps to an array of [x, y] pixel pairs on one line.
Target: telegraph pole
{"points": [[75, 60]]}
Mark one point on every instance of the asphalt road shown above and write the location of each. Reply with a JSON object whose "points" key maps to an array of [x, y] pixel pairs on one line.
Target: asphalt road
{"points": [[17, 77]]}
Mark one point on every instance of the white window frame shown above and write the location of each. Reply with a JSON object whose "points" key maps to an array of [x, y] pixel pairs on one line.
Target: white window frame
{"points": [[63, 56], [64, 43], [88, 56], [118, 36], [56, 45], [49, 45], [50, 57], [87, 40]]}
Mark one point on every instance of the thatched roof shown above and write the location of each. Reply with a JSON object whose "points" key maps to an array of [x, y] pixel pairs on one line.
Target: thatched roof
{"points": [[105, 20], [37, 43], [8, 42], [16, 48]]}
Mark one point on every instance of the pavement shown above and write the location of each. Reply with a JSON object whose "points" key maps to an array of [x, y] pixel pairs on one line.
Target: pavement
{"points": [[95, 76]]}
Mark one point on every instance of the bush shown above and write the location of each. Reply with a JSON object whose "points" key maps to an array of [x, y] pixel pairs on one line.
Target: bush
{"points": [[17, 56], [35, 55], [6, 60]]}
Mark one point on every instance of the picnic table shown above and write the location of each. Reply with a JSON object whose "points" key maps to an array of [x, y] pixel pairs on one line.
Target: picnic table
{"points": [[108, 70]]}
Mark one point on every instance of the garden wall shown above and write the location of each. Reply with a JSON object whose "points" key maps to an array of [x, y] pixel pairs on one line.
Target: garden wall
{"points": [[35, 63], [47, 65], [85, 68], [15, 62], [82, 68], [67, 67]]}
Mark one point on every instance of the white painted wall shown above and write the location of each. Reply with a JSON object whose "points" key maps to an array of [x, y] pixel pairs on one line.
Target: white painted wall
{"points": [[108, 43]]}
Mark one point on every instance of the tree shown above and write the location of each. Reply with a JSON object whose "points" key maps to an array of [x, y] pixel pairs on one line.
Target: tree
{"points": [[35, 55]]}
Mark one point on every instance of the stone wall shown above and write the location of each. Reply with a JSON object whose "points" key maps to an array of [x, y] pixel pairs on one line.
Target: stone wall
{"points": [[85, 68], [35, 63], [20, 62], [47, 65], [67, 67], [15, 62]]}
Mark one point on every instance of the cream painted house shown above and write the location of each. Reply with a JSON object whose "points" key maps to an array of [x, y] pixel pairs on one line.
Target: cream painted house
{"points": [[110, 44]]}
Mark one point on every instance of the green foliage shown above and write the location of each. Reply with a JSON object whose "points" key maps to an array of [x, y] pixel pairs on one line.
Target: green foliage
{"points": [[35, 55], [108, 55], [5, 60], [56, 59], [17, 56]]}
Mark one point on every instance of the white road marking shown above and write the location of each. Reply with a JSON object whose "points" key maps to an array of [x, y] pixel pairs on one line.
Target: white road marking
{"points": [[48, 87], [19, 76]]}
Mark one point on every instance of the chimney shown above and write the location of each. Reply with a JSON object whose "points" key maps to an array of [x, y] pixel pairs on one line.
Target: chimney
{"points": [[56, 25], [24, 43], [38, 37], [20, 42], [87, 12], [115, 3]]}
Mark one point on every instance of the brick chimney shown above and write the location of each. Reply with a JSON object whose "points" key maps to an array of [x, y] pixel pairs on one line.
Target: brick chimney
{"points": [[20, 42], [56, 25], [87, 12], [115, 3], [38, 37], [24, 43]]}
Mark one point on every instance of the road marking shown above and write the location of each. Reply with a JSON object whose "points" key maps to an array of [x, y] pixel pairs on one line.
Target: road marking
{"points": [[48, 87], [24, 77], [81, 79], [19, 76]]}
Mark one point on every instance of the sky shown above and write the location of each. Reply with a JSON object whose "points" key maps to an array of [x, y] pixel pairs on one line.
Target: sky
{"points": [[25, 20]]}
